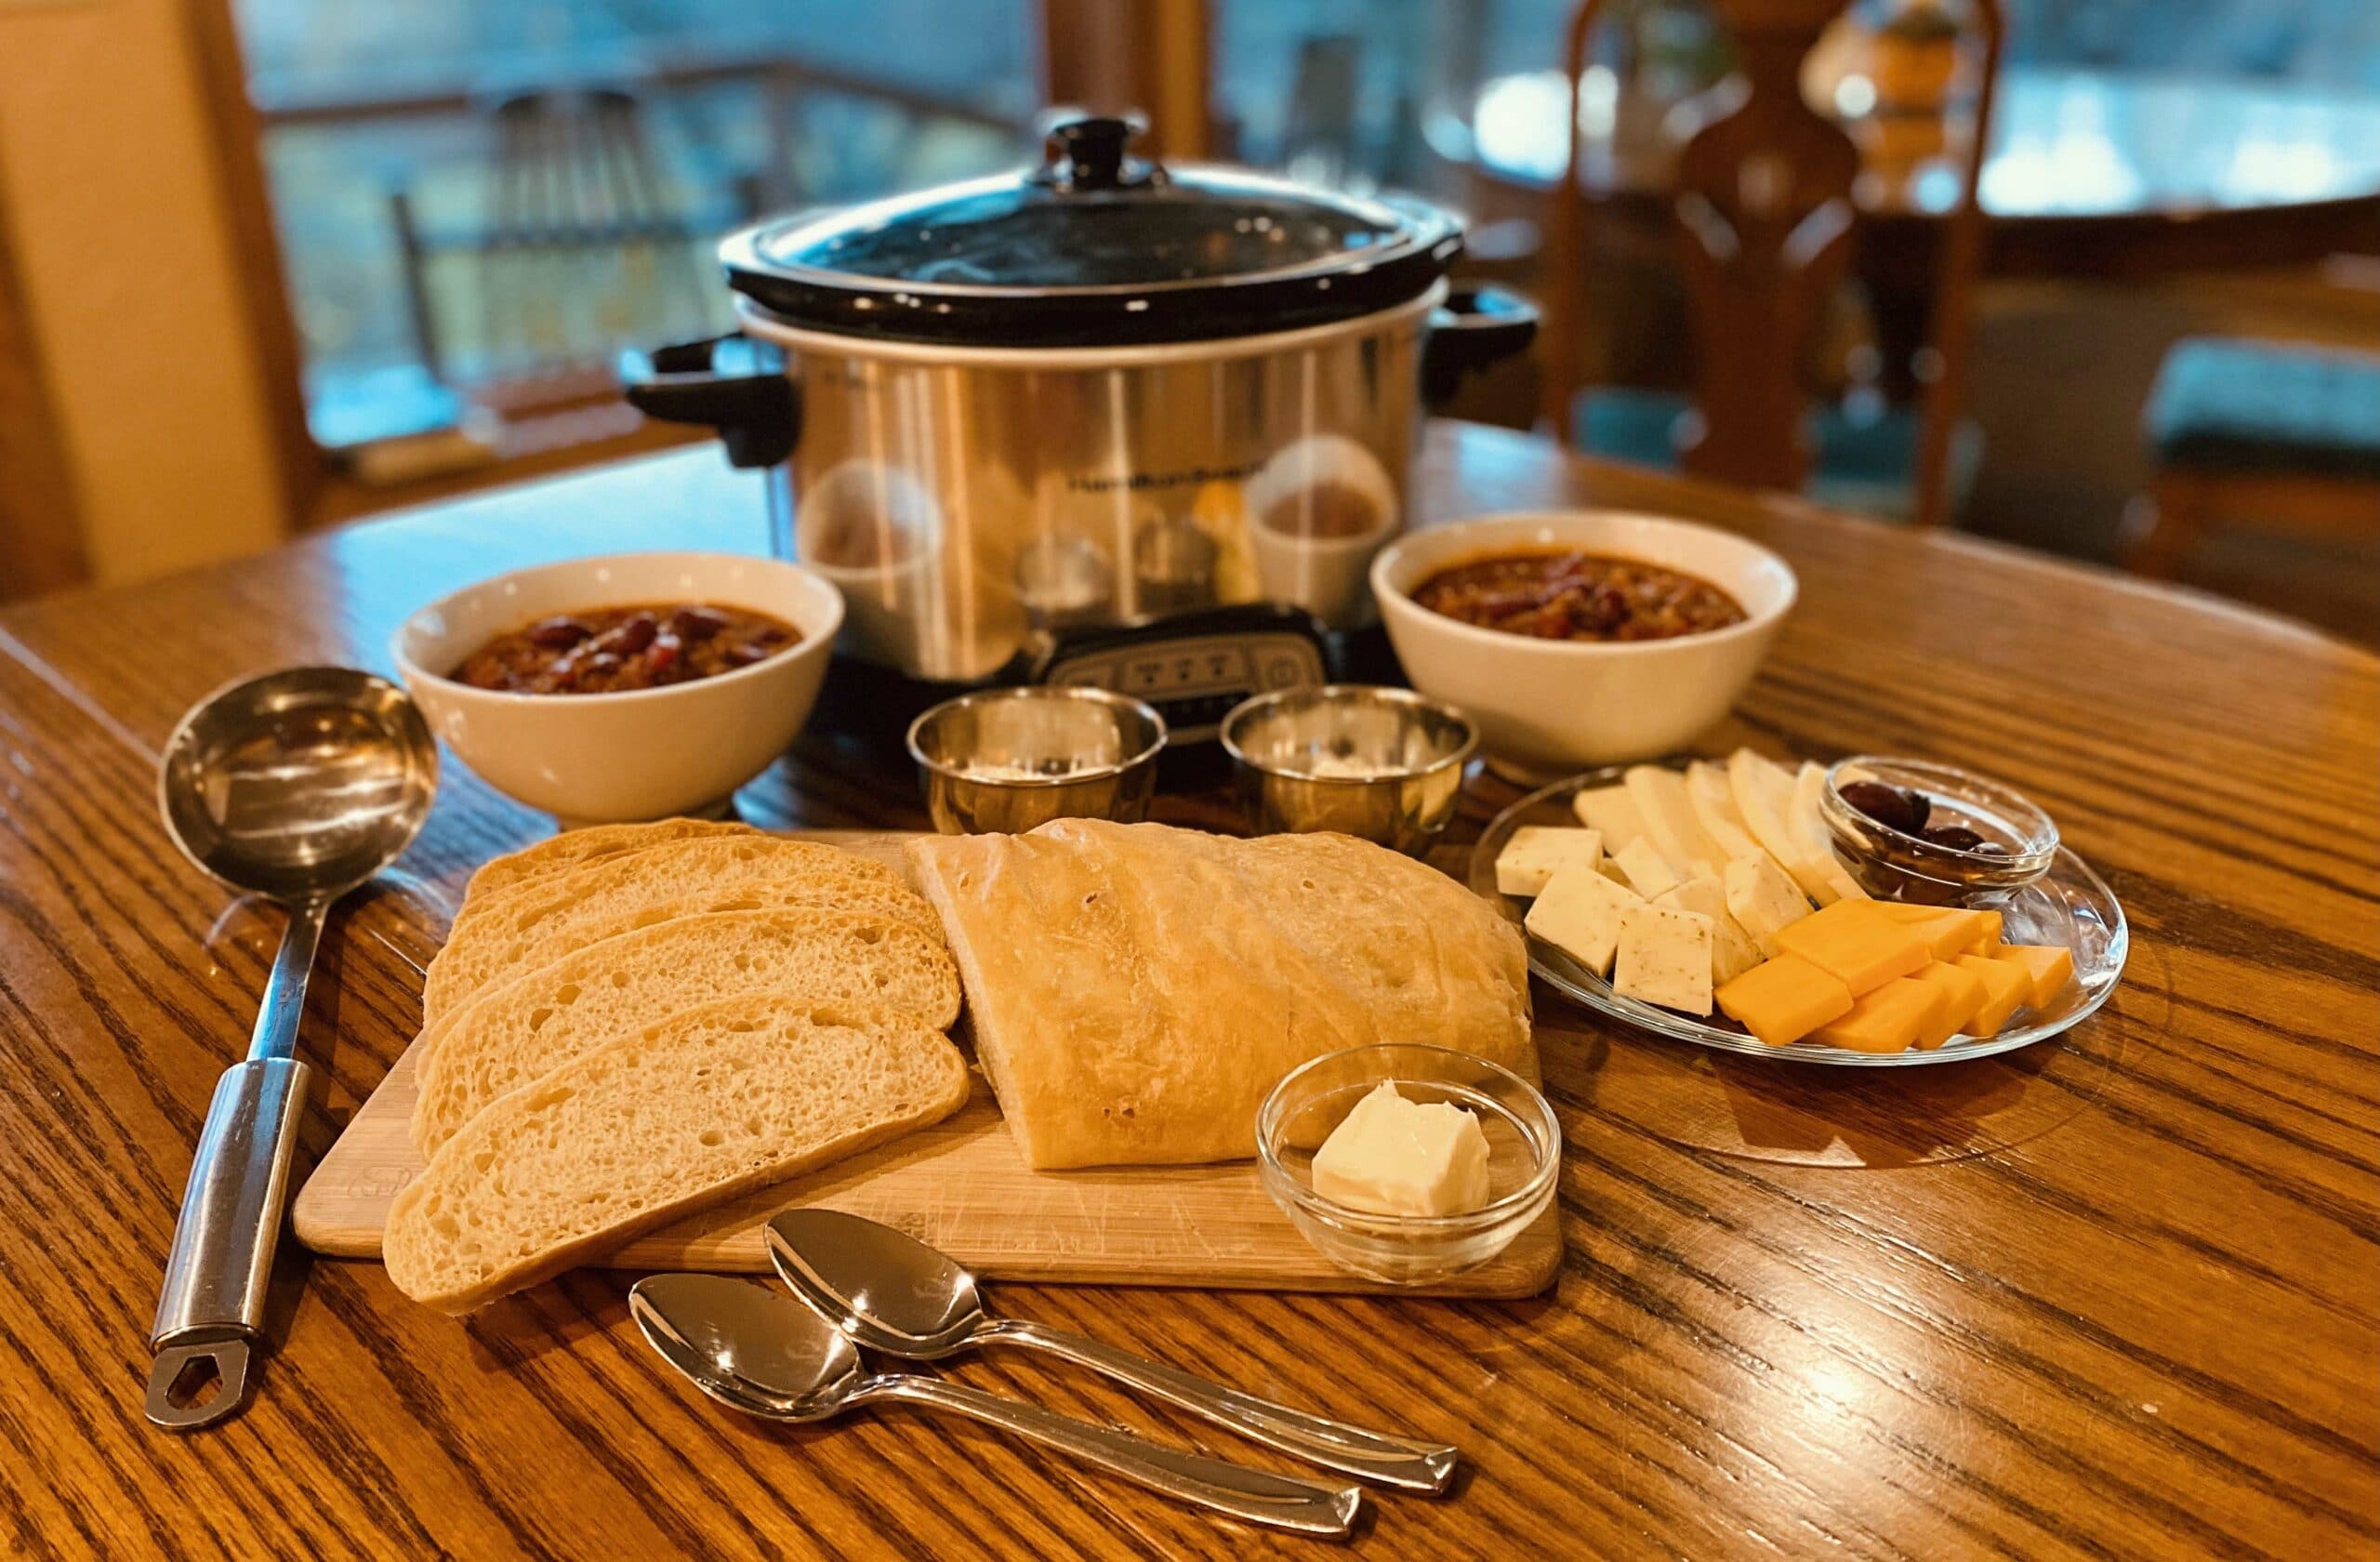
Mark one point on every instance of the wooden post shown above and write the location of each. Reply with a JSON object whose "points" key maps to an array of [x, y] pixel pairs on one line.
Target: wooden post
{"points": [[41, 534], [1151, 55]]}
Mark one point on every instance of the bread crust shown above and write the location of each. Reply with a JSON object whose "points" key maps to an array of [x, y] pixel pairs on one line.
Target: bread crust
{"points": [[1135, 990], [609, 1100]]}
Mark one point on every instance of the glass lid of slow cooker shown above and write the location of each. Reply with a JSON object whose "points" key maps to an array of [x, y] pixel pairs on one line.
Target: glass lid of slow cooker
{"points": [[1095, 246]]}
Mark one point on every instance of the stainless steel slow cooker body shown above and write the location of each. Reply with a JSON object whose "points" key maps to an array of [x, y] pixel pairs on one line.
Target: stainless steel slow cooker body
{"points": [[1125, 392]]}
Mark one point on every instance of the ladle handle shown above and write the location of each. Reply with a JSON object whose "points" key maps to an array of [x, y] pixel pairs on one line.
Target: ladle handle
{"points": [[220, 1265], [1373, 1456], [222, 1261], [1258, 1496]]}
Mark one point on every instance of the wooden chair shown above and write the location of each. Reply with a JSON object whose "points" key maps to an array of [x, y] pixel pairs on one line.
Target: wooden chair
{"points": [[2261, 436], [1763, 211]]}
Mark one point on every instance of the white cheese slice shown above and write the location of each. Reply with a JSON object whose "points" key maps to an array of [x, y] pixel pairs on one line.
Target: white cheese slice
{"points": [[1579, 913], [1664, 957], [1765, 794], [1648, 870], [1396, 1156], [1714, 809], [1733, 951], [1808, 822], [1610, 813], [1536, 852], [1762, 898], [1670, 823]]}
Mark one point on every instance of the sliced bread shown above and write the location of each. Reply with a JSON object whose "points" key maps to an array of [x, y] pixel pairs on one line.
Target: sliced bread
{"points": [[538, 922], [584, 848], [517, 1031], [659, 1123]]}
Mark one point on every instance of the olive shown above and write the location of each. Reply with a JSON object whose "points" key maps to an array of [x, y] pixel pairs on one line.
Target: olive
{"points": [[1889, 806], [1921, 808], [1956, 838]]}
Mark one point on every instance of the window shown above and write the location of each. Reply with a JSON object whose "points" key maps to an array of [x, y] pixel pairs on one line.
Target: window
{"points": [[483, 204]]}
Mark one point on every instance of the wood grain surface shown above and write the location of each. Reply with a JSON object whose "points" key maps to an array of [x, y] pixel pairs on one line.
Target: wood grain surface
{"points": [[2118, 1296], [959, 1184]]}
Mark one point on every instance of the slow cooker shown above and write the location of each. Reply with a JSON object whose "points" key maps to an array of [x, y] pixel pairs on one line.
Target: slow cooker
{"points": [[1040, 423]]}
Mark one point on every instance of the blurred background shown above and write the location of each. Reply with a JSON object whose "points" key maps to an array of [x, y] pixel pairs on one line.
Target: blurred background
{"points": [[270, 265]]}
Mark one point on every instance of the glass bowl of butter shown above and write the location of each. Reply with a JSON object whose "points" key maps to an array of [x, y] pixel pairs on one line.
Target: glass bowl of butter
{"points": [[1407, 1163]]}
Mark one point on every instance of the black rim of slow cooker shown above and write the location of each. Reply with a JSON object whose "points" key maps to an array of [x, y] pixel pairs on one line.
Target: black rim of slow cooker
{"points": [[1325, 292]]}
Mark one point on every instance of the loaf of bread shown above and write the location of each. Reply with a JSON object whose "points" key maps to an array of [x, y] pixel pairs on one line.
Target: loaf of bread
{"points": [[584, 848], [655, 1125], [537, 922], [1135, 990], [517, 1031]]}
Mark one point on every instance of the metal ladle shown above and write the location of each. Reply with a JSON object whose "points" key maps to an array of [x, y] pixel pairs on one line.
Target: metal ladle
{"points": [[766, 1354], [894, 1294], [297, 786]]}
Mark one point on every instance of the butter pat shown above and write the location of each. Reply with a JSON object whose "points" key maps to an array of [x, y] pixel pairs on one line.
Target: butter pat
{"points": [[1395, 1157], [1536, 852]]}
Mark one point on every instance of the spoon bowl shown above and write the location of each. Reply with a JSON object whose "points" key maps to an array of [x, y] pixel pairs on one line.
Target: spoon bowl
{"points": [[751, 1349]]}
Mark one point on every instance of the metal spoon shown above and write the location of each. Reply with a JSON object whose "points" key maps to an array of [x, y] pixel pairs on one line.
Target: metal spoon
{"points": [[755, 1351], [894, 1294], [297, 786]]}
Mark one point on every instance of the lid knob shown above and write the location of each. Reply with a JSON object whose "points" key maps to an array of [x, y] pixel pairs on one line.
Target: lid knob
{"points": [[1088, 152]]}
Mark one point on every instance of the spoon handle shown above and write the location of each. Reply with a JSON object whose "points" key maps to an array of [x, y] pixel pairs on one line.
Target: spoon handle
{"points": [[1258, 1496], [1373, 1456]]}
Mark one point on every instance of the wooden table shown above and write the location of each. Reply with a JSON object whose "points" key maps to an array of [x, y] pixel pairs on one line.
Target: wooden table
{"points": [[2117, 1296]]}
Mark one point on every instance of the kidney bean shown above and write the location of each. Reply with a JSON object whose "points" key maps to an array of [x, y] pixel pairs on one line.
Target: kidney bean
{"points": [[696, 623], [558, 634], [632, 635]]}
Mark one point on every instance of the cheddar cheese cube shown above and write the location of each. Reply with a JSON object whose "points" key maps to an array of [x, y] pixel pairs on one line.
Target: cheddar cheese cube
{"points": [[1986, 937], [1886, 1019], [1949, 931], [1860, 946], [1783, 1000], [2047, 967], [2004, 987], [1963, 994]]}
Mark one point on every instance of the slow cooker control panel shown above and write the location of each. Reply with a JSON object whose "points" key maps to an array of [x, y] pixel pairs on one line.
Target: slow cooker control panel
{"points": [[1193, 667]]}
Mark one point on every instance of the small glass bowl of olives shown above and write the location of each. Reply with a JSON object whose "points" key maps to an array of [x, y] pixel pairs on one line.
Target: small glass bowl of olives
{"points": [[1933, 834]]}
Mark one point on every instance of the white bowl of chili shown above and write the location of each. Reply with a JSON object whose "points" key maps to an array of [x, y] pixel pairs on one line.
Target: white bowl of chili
{"points": [[682, 715], [1558, 689]]}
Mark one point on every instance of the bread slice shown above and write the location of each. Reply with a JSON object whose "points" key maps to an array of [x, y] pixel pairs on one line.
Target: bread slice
{"points": [[538, 922], [518, 1030], [584, 848], [659, 1123]]}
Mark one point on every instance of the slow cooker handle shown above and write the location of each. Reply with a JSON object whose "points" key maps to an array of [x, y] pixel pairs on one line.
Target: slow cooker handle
{"points": [[732, 384], [1474, 327]]}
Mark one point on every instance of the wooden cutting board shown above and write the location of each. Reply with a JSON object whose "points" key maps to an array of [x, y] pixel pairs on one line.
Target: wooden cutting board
{"points": [[960, 1186]]}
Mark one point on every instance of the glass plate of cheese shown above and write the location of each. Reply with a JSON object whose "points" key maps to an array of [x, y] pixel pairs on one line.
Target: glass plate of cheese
{"points": [[1674, 861]]}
